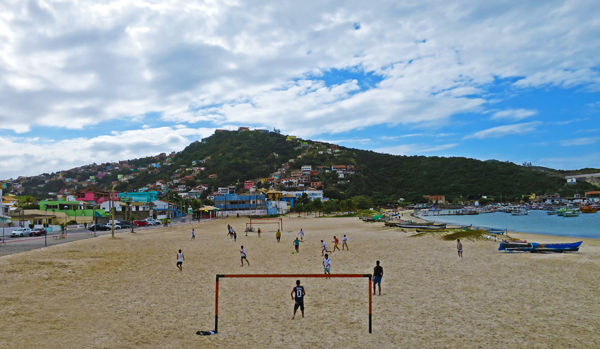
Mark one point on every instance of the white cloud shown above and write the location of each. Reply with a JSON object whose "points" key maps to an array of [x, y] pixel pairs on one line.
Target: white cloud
{"points": [[74, 64], [579, 141], [501, 131], [22, 156], [387, 138], [412, 149], [513, 114]]}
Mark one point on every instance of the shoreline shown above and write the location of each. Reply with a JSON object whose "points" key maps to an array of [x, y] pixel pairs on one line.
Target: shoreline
{"points": [[512, 232]]}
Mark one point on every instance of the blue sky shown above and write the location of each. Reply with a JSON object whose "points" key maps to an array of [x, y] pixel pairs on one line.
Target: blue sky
{"points": [[84, 82]]}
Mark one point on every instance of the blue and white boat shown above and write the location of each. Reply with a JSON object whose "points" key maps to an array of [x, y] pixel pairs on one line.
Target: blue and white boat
{"points": [[524, 246], [496, 231]]}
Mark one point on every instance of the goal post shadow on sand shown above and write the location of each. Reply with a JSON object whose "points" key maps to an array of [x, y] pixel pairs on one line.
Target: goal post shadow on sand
{"points": [[222, 276]]}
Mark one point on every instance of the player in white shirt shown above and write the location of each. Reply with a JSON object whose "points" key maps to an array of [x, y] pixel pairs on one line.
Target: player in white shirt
{"points": [[324, 247], [345, 243], [327, 264], [301, 233], [180, 259], [243, 255]]}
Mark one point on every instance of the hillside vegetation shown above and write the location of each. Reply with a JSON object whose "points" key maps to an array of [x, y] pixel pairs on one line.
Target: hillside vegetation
{"points": [[235, 157]]}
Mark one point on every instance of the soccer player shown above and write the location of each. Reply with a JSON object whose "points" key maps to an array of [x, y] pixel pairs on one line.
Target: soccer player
{"points": [[335, 243], [297, 245], [459, 247], [193, 234], [278, 235], [180, 259], [301, 233], [234, 236], [324, 247], [258, 231], [327, 264], [345, 243], [299, 294], [377, 275], [243, 254]]}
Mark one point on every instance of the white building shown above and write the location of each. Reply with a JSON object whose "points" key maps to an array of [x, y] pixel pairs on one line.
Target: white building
{"points": [[312, 194]]}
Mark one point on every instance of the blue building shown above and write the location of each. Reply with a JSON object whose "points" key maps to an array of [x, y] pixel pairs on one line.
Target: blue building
{"points": [[234, 202], [146, 196]]}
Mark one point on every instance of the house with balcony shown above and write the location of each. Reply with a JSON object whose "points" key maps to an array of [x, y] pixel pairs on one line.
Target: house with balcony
{"points": [[95, 195], [339, 168]]}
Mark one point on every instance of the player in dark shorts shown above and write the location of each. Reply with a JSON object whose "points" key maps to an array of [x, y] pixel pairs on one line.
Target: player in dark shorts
{"points": [[377, 275], [298, 294], [180, 259]]}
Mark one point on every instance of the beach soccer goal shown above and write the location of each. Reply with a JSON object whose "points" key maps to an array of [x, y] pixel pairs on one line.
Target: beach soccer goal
{"points": [[227, 276], [253, 227], [257, 221]]}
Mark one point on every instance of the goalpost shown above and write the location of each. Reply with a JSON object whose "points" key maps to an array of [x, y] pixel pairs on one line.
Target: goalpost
{"points": [[249, 225], [219, 276], [257, 221]]}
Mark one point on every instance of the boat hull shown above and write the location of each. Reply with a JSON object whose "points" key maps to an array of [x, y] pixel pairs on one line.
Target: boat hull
{"points": [[533, 247], [424, 227]]}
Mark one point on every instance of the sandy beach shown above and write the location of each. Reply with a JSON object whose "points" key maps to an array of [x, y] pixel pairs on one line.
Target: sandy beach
{"points": [[128, 293]]}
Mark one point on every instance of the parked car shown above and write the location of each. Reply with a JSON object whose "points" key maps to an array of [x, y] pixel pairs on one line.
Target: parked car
{"points": [[140, 223], [98, 227], [20, 232], [122, 226], [38, 232], [153, 221]]}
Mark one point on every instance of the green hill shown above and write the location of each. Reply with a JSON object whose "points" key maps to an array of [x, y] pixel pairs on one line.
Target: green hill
{"points": [[235, 157]]}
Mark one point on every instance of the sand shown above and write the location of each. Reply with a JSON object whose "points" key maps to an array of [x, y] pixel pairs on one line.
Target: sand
{"points": [[128, 293]]}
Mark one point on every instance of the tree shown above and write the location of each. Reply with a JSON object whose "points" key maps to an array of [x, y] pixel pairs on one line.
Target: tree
{"points": [[304, 199], [318, 205], [362, 203], [330, 206], [350, 205], [299, 208]]}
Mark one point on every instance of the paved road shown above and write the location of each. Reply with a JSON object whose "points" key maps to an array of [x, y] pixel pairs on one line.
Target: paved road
{"points": [[16, 245]]}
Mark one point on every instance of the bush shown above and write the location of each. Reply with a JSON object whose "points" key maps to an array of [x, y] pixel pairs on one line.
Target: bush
{"points": [[71, 222], [31, 226]]}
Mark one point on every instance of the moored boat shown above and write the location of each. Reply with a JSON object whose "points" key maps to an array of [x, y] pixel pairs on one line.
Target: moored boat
{"points": [[421, 226], [524, 246], [551, 213], [520, 212], [431, 228], [588, 209], [496, 231]]}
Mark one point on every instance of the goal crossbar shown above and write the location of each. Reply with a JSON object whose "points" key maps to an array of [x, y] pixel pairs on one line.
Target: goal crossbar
{"points": [[266, 219], [222, 276]]}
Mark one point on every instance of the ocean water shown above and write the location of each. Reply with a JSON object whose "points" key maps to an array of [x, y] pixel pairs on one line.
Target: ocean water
{"points": [[538, 222]]}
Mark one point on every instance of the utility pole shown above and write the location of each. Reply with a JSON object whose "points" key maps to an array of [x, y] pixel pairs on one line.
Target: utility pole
{"points": [[112, 209], [45, 225], [2, 215]]}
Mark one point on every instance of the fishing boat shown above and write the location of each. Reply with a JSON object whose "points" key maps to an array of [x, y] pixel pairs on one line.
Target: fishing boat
{"points": [[431, 228], [524, 246], [519, 212], [496, 231], [588, 209], [571, 213], [421, 226]]}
